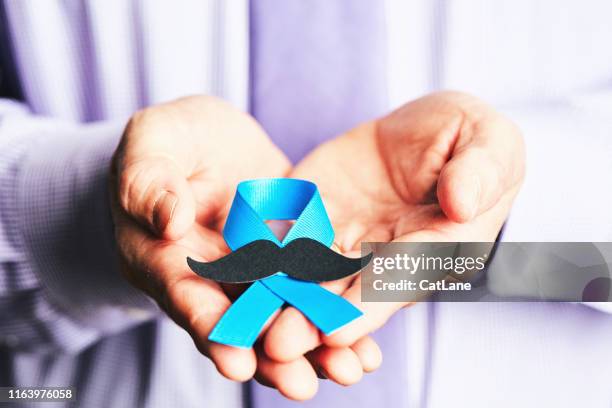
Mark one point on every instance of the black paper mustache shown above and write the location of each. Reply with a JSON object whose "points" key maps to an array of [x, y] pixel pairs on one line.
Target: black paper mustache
{"points": [[302, 258]]}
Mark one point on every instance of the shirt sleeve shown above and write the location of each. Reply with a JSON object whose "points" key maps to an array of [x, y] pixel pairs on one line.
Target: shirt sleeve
{"points": [[60, 286], [565, 196]]}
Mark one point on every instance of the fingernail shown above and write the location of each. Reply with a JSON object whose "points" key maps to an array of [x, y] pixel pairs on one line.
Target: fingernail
{"points": [[163, 210]]}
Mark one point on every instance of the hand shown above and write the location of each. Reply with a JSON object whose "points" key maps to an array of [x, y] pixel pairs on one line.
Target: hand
{"points": [[174, 175], [445, 167]]}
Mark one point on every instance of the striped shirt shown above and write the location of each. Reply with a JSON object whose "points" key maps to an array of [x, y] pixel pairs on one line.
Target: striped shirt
{"points": [[67, 317]]}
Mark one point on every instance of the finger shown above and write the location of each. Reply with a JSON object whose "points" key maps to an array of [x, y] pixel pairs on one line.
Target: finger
{"points": [[369, 354], [295, 380], [341, 365], [291, 335], [375, 315], [155, 192], [194, 303], [198, 308], [347, 236], [487, 163]]}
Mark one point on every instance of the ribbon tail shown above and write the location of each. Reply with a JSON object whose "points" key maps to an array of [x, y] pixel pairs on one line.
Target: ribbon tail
{"points": [[326, 310], [243, 321]]}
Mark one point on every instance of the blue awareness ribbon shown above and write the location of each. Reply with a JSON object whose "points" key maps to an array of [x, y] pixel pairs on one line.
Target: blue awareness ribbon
{"points": [[278, 199]]}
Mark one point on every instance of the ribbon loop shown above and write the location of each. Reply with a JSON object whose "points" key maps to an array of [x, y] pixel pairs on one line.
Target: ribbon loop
{"points": [[280, 199]]}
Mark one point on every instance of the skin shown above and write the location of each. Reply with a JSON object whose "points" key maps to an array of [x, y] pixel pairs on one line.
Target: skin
{"points": [[443, 168], [173, 177]]}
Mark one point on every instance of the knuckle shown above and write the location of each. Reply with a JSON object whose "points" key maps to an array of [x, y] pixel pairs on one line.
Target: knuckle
{"points": [[125, 183], [434, 156], [136, 182]]}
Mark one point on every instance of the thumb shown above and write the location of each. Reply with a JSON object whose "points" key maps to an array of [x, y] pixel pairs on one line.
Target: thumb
{"points": [[156, 193], [481, 171]]}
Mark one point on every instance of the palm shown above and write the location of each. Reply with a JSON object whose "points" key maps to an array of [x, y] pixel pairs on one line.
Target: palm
{"points": [[445, 167], [358, 196], [379, 181]]}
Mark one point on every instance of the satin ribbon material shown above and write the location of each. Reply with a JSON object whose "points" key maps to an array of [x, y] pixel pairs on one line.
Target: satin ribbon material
{"points": [[278, 199]]}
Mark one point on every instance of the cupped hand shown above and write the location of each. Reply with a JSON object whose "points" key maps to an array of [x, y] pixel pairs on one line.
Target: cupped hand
{"points": [[445, 167], [173, 177]]}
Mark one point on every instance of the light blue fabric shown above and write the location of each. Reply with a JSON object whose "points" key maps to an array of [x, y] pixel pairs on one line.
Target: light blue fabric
{"points": [[280, 199]]}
